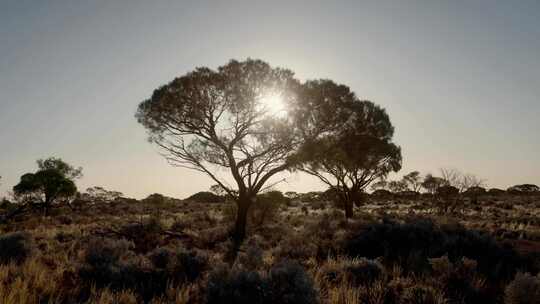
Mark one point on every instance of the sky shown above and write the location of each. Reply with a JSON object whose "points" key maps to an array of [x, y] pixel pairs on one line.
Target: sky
{"points": [[459, 79]]}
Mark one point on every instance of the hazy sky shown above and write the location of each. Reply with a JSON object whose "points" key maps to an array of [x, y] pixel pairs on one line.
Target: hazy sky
{"points": [[460, 79]]}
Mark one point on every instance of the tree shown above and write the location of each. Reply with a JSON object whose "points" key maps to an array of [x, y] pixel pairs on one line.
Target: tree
{"points": [[462, 181], [100, 194], [211, 121], [413, 181], [523, 189], [379, 185], [432, 183], [355, 147], [468, 181], [61, 166], [45, 187], [397, 186]]}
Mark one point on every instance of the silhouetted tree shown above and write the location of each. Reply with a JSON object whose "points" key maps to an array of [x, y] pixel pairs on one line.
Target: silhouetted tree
{"points": [[100, 194], [379, 185], [45, 187], [413, 181], [356, 150], [432, 183], [524, 189], [468, 181], [211, 120], [397, 186], [451, 177], [474, 192]]}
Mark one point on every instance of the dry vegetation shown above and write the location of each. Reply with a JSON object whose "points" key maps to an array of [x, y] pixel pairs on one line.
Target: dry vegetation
{"points": [[394, 250]]}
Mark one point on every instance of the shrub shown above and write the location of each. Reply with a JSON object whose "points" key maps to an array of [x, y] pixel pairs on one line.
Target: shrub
{"points": [[286, 282], [266, 207], [524, 289], [14, 247], [206, 197], [252, 258], [419, 239], [364, 271], [524, 189], [381, 193], [475, 191], [102, 266], [235, 286], [447, 191], [179, 265], [289, 283], [496, 191], [108, 263], [145, 235], [419, 294]]}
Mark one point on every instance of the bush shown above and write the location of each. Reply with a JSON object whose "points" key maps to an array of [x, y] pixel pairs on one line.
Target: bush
{"points": [[524, 289], [524, 189], [415, 241], [286, 282], [475, 191], [496, 191], [266, 207], [14, 247], [419, 294], [101, 261], [235, 286], [381, 193], [145, 235], [289, 283], [179, 265], [108, 263], [364, 271], [206, 197], [447, 191]]}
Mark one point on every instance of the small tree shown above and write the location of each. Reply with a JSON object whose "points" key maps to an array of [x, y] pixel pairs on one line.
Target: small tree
{"points": [[397, 186], [100, 194], [379, 185], [413, 181], [356, 150], [45, 187], [432, 183], [524, 189]]}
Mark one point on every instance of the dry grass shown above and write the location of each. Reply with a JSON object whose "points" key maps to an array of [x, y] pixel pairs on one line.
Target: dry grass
{"points": [[50, 274]]}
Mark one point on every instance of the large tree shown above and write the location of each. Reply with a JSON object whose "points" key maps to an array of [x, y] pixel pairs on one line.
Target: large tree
{"points": [[210, 120], [350, 141]]}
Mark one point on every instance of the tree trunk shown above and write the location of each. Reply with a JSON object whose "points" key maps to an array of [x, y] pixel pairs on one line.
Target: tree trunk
{"points": [[241, 220], [239, 233], [348, 209]]}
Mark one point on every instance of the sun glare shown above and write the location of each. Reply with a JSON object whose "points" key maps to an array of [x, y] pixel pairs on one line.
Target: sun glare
{"points": [[274, 104]]}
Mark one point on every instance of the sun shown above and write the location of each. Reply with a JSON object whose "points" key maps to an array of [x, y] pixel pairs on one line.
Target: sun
{"points": [[274, 104]]}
